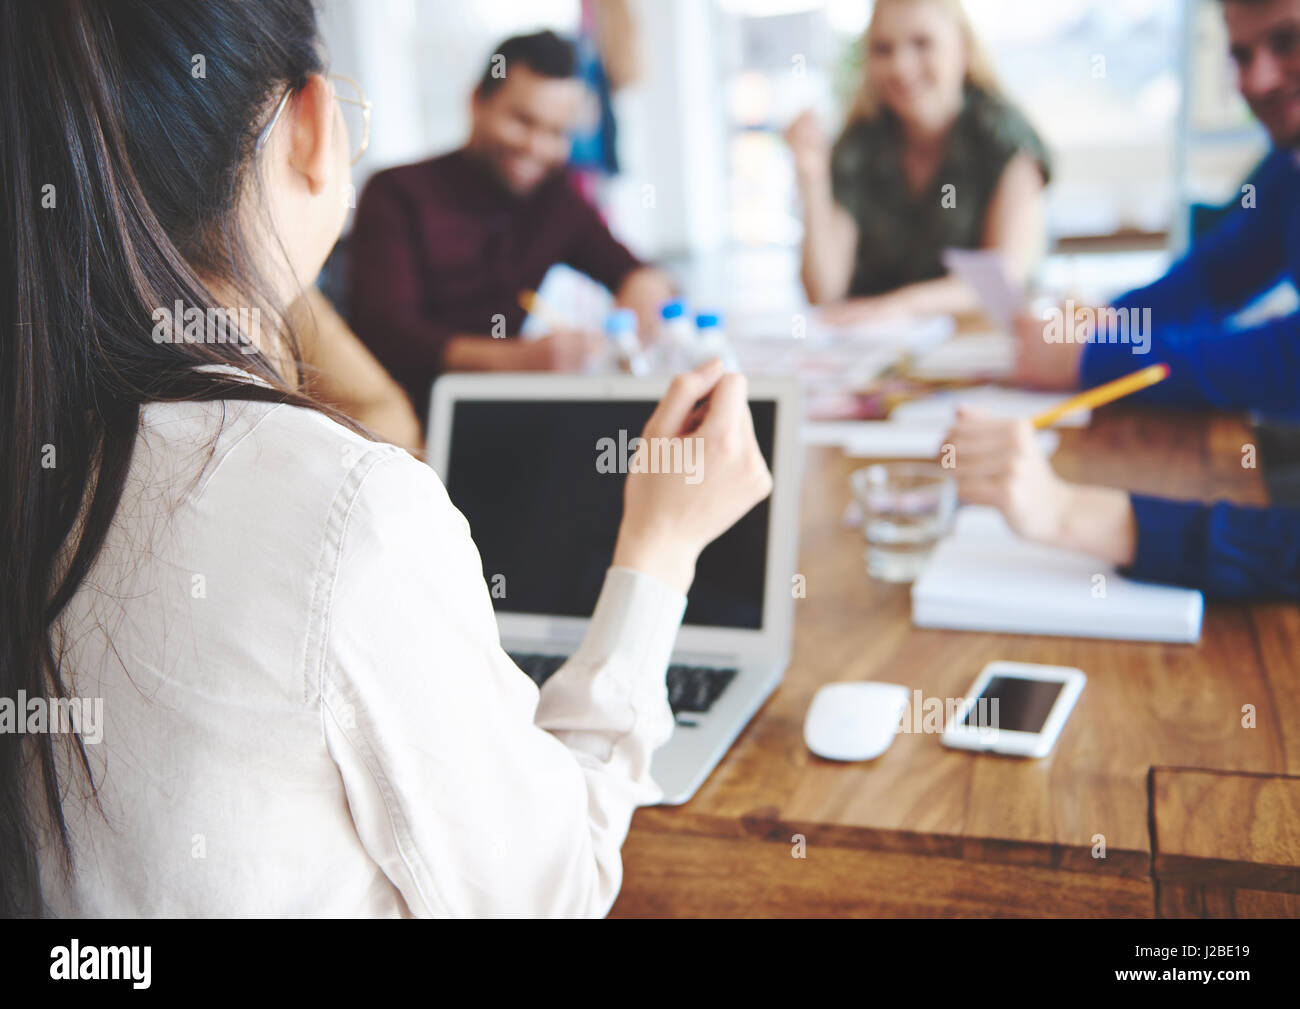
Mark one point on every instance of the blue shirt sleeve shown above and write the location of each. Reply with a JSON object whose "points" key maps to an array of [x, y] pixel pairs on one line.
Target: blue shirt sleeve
{"points": [[1182, 316], [1227, 551], [1257, 368], [1243, 256]]}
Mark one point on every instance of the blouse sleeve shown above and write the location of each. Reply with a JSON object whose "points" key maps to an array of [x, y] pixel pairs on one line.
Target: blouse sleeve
{"points": [[1007, 134], [475, 793]]}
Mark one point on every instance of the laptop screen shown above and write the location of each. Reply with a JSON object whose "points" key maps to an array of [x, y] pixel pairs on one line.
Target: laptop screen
{"points": [[533, 479]]}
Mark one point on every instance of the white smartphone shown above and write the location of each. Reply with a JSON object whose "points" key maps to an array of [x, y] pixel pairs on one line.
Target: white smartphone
{"points": [[1015, 707]]}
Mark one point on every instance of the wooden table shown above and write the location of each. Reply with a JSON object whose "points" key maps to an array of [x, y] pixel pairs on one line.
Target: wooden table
{"points": [[1156, 799]]}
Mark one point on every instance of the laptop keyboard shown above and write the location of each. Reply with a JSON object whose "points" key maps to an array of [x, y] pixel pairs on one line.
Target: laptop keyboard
{"points": [[691, 689]]}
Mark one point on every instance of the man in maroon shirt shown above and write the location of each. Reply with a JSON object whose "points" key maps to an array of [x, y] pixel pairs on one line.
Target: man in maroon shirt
{"points": [[441, 250]]}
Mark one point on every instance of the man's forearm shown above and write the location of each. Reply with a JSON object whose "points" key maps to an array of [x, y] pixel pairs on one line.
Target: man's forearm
{"points": [[1209, 365], [1100, 521]]}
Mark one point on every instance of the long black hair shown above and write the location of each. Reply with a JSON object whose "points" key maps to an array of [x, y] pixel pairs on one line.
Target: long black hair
{"points": [[127, 135]]}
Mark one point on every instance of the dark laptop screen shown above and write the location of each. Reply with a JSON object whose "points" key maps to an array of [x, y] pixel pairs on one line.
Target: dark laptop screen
{"points": [[528, 477]]}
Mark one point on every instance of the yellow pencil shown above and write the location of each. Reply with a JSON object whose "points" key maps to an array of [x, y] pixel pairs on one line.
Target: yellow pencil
{"points": [[533, 305], [1104, 394]]}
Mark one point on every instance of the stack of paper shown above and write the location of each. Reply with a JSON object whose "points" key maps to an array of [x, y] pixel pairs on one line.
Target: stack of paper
{"points": [[985, 578], [803, 326], [980, 356], [941, 407], [916, 430], [891, 439]]}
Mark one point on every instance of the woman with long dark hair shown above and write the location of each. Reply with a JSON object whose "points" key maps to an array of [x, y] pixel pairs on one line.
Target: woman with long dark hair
{"points": [[248, 661]]}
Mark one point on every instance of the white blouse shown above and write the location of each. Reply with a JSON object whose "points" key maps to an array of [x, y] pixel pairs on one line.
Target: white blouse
{"points": [[306, 707]]}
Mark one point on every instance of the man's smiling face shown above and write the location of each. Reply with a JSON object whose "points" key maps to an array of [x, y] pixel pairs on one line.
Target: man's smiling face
{"points": [[1264, 38]]}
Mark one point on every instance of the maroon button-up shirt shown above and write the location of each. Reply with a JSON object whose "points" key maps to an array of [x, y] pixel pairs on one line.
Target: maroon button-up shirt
{"points": [[441, 247]]}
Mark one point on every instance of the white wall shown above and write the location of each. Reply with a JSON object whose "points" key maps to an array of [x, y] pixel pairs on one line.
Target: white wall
{"points": [[671, 198]]}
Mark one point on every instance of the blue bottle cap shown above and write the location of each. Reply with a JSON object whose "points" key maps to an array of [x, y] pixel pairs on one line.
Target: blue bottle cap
{"points": [[620, 320], [672, 310], [706, 320]]}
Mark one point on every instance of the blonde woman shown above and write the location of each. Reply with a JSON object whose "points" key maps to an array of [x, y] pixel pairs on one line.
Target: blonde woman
{"points": [[932, 157]]}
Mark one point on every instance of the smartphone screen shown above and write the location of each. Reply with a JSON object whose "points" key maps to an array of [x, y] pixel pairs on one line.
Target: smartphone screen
{"points": [[1014, 704]]}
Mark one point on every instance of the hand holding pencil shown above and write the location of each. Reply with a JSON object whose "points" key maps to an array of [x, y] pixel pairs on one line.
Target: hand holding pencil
{"points": [[564, 347], [1090, 399], [997, 461]]}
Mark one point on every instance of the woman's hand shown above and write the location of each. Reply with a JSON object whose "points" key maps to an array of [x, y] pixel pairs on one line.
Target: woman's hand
{"points": [[811, 149], [717, 474], [862, 311], [997, 461]]}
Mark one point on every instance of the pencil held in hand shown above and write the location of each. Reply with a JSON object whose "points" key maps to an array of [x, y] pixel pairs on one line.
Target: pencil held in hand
{"points": [[1103, 394], [533, 305]]}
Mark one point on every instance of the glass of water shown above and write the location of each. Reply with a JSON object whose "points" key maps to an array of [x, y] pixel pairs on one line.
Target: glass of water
{"points": [[906, 507]]}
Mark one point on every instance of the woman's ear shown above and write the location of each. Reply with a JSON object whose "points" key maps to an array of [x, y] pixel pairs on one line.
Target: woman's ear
{"points": [[312, 153]]}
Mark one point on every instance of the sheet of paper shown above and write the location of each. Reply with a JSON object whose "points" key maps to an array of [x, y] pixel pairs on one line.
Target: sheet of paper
{"points": [[985, 270], [941, 407], [915, 335], [891, 439], [802, 326], [984, 356]]}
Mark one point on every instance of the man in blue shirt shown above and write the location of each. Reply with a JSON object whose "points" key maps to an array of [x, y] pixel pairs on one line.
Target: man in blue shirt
{"points": [[1182, 320]]}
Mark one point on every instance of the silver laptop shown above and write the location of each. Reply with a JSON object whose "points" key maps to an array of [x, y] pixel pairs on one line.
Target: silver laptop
{"points": [[518, 455]]}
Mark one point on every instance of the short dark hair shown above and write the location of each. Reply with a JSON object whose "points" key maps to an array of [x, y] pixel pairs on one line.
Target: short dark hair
{"points": [[543, 53]]}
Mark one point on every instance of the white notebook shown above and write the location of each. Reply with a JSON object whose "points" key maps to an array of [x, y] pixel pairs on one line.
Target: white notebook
{"points": [[985, 578], [891, 439]]}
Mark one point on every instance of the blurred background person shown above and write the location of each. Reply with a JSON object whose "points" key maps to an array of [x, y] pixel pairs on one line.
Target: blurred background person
{"points": [[340, 371], [1214, 361], [1223, 549], [608, 60], [932, 157], [441, 250]]}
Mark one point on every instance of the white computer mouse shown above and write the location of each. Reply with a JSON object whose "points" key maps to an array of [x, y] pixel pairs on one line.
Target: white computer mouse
{"points": [[854, 721]]}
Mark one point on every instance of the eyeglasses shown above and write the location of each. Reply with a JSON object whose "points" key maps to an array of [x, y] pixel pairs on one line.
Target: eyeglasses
{"points": [[351, 98]]}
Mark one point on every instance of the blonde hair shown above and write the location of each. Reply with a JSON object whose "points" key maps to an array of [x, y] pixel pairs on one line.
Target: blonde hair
{"points": [[979, 69]]}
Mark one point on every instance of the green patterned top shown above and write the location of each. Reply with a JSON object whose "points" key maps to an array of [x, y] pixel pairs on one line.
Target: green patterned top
{"points": [[900, 237]]}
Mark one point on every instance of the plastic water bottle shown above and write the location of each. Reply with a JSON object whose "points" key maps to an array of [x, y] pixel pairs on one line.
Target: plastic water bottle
{"points": [[678, 339], [620, 328], [712, 341]]}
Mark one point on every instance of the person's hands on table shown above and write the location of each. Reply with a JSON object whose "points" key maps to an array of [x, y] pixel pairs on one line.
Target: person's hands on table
{"points": [[1040, 364], [997, 461], [561, 350], [858, 311]]}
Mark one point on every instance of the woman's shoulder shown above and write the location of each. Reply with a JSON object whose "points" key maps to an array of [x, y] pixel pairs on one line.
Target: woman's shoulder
{"points": [[261, 457], [1000, 127]]}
